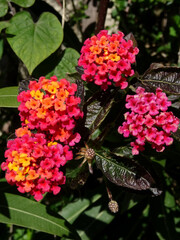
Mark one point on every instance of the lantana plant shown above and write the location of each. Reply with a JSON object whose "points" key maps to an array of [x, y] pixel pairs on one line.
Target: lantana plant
{"points": [[74, 125]]}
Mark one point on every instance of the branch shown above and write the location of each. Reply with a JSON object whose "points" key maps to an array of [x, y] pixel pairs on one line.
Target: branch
{"points": [[103, 6]]}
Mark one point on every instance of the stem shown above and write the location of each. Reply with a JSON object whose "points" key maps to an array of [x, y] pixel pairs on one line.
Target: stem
{"points": [[103, 6], [12, 9], [63, 14]]}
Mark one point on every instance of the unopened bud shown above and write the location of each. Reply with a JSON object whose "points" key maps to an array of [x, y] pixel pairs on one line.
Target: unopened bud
{"points": [[113, 206]]}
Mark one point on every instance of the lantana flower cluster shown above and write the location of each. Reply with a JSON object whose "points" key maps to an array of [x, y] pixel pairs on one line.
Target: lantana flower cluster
{"points": [[48, 111], [107, 59], [149, 120], [52, 107]]}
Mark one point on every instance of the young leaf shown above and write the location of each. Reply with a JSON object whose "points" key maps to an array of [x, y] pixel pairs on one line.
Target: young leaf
{"points": [[66, 64], [23, 3], [127, 173], [8, 97], [24, 212], [34, 42], [3, 7], [167, 78]]}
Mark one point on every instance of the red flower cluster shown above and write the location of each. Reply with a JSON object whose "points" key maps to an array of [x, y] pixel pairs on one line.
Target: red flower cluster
{"points": [[107, 59], [149, 120], [50, 108], [33, 163]]}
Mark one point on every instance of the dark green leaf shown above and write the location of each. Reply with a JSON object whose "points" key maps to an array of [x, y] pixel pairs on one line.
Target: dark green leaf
{"points": [[127, 173], [34, 42], [97, 109], [24, 3], [3, 7], [24, 212], [8, 97], [93, 221], [166, 78], [66, 65]]}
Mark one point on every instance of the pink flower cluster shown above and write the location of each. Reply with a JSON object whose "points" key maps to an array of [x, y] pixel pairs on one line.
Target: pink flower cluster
{"points": [[149, 120], [107, 59], [49, 108]]}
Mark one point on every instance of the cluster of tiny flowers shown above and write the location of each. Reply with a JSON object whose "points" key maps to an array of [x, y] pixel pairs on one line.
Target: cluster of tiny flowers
{"points": [[52, 107], [149, 120], [48, 111], [107, 59], [33, 163]]}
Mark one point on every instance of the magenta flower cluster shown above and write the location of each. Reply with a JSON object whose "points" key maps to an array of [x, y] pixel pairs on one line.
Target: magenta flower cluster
{"points": [[107, 59], [149, 120]]}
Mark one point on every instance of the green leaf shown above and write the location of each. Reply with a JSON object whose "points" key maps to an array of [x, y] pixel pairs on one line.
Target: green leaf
{"points": [[66, 64], [93, 221], [97, 108], [123, 151], [8, 97], [34, 42], [72, 210], [169, 200], [125, 173], [3, 7], [166, 78], [1, 48], [4, 24], [24, 212], [22, 3]]}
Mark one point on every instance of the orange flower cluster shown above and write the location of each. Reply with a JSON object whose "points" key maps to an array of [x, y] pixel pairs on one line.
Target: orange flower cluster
{"points": [[50, 106]]}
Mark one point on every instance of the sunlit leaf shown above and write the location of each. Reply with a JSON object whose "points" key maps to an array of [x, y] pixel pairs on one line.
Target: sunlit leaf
{"points": [[8, 97], [166, 78], [22, 3], [34, 42], [3, 7], [24, 212]]}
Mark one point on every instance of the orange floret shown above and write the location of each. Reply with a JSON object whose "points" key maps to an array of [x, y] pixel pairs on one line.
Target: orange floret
{"points": [[41, 113], [38, 95], [95, 49], [32, 175], [47, 103], [22, 131], [32, 104], [62, 94], [59, 105]]}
